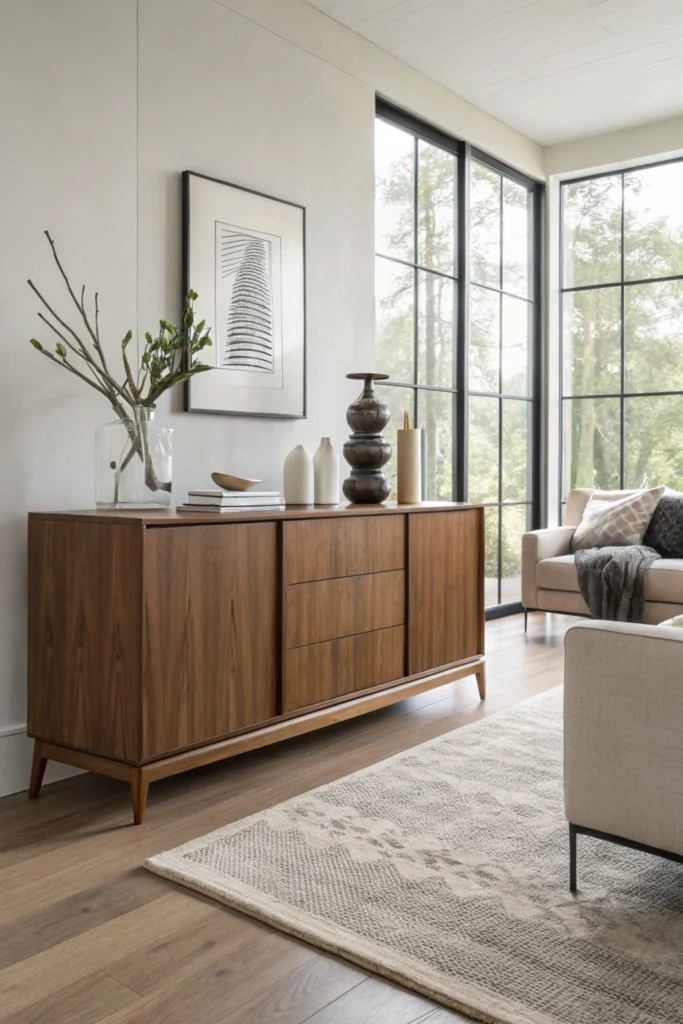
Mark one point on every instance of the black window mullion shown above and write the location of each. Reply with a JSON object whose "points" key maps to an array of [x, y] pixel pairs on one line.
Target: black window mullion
{"points": [[622, 339], [416, 312], [459, 389], [460, 449]]}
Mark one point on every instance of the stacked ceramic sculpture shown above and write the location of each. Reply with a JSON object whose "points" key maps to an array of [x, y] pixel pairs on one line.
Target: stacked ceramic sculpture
{"points": [[366, 451]]}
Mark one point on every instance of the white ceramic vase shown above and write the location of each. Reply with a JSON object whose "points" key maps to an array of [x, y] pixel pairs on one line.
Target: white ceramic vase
{"points": [[326, 473], [297, 478]]}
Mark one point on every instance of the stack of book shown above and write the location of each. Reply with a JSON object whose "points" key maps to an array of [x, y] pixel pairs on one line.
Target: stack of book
{"points": [[230, 501]]}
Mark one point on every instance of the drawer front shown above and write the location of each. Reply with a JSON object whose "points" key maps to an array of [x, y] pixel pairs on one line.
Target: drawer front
{"points": [[329, 609], [323, 549], [338, 668]]}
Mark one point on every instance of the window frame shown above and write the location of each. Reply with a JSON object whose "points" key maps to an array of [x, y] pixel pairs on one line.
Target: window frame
{"points": [[465, 155], [622, 284]]}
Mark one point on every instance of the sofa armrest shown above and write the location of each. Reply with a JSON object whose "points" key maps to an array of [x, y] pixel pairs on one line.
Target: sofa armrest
{"points": [[537, 545], [623, 731]]}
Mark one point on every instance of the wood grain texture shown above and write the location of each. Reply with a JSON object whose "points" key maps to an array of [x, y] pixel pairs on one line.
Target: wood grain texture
{"points": [[171, 517], [84, 640], [215, 964], [446, 609], [329, 548], [329, 609], [322, 672], [210, 633]]}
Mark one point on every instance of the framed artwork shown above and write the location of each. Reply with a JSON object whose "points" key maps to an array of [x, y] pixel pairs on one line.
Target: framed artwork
{"points": [[244, 255]]}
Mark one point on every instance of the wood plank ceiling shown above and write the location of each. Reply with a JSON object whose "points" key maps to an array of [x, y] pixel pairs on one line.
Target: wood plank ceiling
{"points": [[554, 69]]}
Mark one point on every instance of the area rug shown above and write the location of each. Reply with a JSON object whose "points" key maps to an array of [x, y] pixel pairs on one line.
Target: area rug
{"points": [[445, 869]]}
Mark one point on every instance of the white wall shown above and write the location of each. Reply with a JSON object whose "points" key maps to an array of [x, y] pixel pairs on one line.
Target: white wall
{"points": [[102, 104], [648, 142]]}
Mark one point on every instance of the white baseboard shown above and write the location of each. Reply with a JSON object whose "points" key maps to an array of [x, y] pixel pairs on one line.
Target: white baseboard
{"points": [[16, 752]]}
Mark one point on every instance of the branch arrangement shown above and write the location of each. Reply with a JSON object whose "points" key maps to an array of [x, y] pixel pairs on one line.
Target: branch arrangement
{"points": [[168, 359]]}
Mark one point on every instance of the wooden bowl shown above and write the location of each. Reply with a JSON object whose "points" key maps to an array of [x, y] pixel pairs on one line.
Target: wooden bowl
{"points": [[233, 483]]}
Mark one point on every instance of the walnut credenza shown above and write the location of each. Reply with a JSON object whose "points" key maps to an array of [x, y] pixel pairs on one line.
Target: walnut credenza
{"points": [[160, 641]]}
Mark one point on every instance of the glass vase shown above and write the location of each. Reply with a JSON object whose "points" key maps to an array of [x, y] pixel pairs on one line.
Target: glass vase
{"points": [[133, 467]]}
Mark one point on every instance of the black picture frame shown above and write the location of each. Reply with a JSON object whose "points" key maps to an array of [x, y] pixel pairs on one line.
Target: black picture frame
{"points": [[187, 283]]}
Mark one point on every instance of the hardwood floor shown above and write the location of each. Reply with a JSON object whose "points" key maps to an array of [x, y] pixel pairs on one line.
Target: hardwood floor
{"points": [[87, 935]]}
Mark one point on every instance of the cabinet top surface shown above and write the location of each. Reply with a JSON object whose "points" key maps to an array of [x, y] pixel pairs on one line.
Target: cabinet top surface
{"points": [[171, 517]]}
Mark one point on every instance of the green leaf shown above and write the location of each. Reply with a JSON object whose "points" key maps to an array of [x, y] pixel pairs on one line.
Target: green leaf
{"points": [[60, 350], [127, 339], [149, 339], [36, 344]]}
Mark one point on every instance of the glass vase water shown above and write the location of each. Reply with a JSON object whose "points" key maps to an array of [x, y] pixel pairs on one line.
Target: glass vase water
{"points": [[133, 462]]}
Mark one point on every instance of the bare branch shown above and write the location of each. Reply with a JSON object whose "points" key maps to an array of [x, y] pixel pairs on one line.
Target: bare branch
{"points": [[77, 373]]}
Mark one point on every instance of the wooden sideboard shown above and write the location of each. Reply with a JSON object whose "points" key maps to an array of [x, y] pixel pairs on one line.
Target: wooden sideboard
{"points": [[160, 641]]}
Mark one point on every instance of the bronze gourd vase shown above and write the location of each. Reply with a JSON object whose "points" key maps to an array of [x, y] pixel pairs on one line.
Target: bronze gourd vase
{"points": [[366, 451]]}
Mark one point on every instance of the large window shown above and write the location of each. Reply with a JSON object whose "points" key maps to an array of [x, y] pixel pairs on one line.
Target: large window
{"points": [[622, 329], [457, 289]]}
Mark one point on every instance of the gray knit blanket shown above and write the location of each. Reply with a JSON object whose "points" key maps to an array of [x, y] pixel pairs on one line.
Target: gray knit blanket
{"points": [[612, 580]]}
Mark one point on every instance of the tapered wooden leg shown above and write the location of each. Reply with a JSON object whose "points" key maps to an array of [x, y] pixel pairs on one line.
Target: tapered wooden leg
{"points": [[37, 770], [481, 680], [572, 859], [139, 787]]}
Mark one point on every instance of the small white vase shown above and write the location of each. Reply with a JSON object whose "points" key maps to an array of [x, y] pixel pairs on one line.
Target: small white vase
{"points": [[297, 482], [326, 471]]}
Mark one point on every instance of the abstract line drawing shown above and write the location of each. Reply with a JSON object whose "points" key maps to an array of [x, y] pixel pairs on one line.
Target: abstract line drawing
{"points": [[248, 330]]}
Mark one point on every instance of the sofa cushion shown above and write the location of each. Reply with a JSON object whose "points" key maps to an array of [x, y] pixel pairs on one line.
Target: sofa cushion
{"points": [[621, 521], [665, 532], [557, 574], [663, 581]]}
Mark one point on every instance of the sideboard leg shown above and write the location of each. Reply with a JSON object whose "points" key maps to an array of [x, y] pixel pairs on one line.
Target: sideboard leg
{"points": [[481, 680], [37, 770], [139, 787]]}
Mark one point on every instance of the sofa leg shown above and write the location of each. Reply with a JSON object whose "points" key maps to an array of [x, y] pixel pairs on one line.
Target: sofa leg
{"points": [[572, 858], [526, 618]]}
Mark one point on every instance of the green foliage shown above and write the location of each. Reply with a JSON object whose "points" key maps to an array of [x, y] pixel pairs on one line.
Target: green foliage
{"points": [[430, 362], [170, 358], [653, 335]]}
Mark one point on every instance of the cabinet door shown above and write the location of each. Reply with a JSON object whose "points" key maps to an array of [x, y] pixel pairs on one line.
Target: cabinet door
{"points": [[211, 639], [445, 588]]}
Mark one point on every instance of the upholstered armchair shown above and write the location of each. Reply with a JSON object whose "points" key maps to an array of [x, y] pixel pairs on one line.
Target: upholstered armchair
{"points": [[623, 736]]}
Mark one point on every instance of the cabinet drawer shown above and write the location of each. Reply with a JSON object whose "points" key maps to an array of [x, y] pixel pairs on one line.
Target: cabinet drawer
{"points": [[323, 549], [329, 609], [338, 668]]}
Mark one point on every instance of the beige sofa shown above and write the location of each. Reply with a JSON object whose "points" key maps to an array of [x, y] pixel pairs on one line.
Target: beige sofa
{"points": [[549, 582], [623, 722]]}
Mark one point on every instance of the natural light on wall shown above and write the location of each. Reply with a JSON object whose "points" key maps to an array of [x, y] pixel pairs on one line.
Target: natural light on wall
{"points": [[622, 329]]}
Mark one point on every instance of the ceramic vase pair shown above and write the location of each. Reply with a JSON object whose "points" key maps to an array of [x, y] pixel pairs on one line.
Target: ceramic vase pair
{"points": [[312, 479]]}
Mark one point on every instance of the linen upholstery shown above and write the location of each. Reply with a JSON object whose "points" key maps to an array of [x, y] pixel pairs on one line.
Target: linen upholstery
{"points": [[663, 582], [623, 756], [609, 522], [554, 588], [538, 545]]}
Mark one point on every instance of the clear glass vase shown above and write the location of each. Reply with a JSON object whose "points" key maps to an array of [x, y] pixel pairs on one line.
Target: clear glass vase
{"points": [[133, 467]]}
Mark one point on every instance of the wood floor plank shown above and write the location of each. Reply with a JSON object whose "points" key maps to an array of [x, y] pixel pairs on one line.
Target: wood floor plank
{"points": [[98, 928], [63, 919], [374, 1002], [39, 976], [299, 997], [87, 1001], [231, 982]]}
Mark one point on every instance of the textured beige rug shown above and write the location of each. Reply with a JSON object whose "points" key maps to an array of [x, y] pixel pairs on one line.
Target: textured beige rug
{"points": [[446, 869]]}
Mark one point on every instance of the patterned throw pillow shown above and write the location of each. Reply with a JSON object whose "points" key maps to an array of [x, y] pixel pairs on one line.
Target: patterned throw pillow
{"points": [[618, 522], [665, 532]]}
